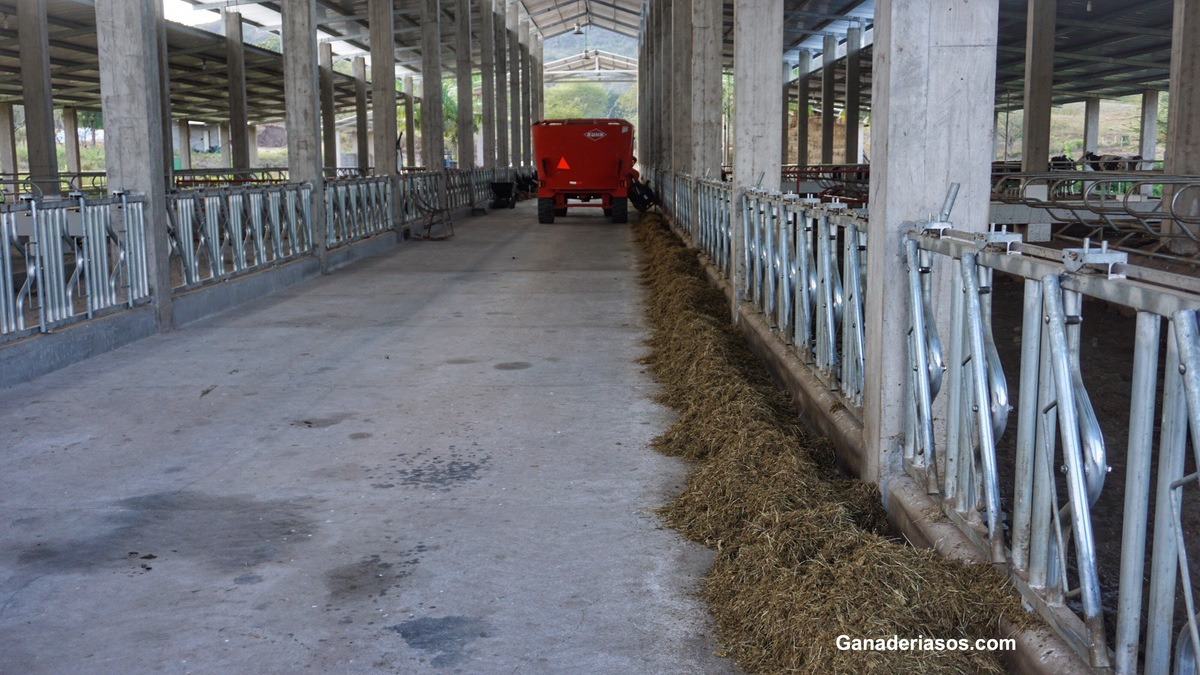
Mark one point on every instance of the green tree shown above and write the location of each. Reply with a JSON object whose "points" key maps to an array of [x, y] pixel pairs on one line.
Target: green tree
{"points": [[626, 106], [578, 99]]}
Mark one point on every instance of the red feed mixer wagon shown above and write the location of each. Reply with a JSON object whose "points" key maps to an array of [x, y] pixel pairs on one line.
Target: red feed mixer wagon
{"points": [[586, 161]]}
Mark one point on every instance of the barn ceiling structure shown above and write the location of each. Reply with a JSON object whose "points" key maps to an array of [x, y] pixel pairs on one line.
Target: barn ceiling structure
{"points": [[1105, 48]]}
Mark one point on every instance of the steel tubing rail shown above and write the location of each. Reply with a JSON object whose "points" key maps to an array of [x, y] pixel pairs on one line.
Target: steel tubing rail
{"points": [[1055, 417], [801, 275], [224, 232], [67, 260], [805, 268], [356, 208]]}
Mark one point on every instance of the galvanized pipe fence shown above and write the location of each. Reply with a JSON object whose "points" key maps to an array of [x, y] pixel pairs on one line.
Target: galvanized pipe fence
{"points": [[73, 258], [66, 260], [1146, 213], [356, 208], [224, 232], [806, 276]]}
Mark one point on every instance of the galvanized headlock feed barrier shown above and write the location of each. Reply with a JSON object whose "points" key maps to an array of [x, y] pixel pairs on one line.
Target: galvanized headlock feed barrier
{"points": [[216, 234], [805, 269], [74, 258], [1050, 547], [806, 274], [65, 260], [357, 208]]}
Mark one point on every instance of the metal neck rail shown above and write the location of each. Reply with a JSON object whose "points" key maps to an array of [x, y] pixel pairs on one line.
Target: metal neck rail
{"points": [[1140, 212], [805, 273]]}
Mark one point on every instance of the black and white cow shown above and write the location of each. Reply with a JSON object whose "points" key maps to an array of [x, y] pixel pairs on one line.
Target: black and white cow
{"points": [[1062, 163], [1111, 162]]}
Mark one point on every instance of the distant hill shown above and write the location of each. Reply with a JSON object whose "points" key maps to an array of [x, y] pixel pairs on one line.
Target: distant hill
{"points": [[594, 37]]}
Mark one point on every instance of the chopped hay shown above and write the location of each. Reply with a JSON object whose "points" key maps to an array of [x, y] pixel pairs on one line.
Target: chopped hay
{"points": [[803, 555]]}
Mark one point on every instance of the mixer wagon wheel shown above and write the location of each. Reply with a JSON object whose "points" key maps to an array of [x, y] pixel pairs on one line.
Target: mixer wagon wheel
{"points": [[620, 210], [546, 210]]}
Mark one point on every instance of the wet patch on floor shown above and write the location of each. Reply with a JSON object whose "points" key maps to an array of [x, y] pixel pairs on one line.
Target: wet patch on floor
{"points": [[461, 362], [315, 422], [513, 365], [373, 576], [448, 637], [426, 470], [230, 534], [360, 435]]}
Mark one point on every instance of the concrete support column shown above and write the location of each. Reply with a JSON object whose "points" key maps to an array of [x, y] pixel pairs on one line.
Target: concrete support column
{"points": [[383, 87], [183, 133], [131, 93], [71, 138], [466, 89], [235, 59], [757, 80], [828, 97], [933, 94], [526, 93], [680, 92], [514, 82], [1091, 124], [639, 140], [499, 16], [853, 92], [487, 82], [785, 145], [223, 135], [539, 80], [645, 85], [8, 140], [705, 105], [804, 67], [329, 135], [33, 40], [1148, 132], [302, 114], [666, 136], [1183, 116], [362, 139], [433, 134], [410, 121], [1039, 81], [164, 84]]}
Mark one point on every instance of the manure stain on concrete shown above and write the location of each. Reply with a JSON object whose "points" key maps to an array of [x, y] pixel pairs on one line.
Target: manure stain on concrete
{"points": [[226, 533], [360, 435], [373, 576], [322, 422], [461, 362], [448, 637], [424, 470], [513, 365]]}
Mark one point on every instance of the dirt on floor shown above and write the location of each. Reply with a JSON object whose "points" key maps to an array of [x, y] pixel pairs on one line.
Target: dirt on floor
{"points": [[804, 555]]}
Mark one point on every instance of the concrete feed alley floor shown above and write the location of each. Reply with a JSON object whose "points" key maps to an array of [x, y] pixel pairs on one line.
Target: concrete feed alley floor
{"points": [[433, 459]]}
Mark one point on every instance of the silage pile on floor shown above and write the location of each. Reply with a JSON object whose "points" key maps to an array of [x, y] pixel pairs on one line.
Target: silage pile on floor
{"points": [[803, 555]]}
